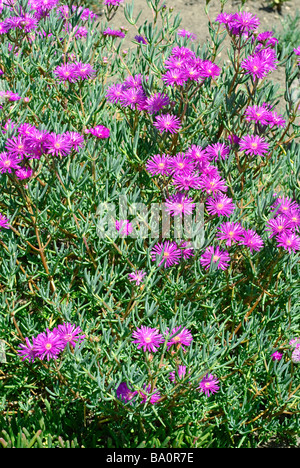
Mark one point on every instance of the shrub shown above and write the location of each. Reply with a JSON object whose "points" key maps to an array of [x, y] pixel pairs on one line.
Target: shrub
{"points": [[123, 326]]}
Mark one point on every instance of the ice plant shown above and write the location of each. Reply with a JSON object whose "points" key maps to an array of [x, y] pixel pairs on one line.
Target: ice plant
{"points": [[48, 345], [168, 251], [137, 276], [209, 385], [167, 123], [253, 145], [179, 204], [147, 338], [180, 337], [215, 255]]}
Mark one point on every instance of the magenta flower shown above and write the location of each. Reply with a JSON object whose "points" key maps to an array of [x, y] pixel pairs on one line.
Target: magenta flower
{"points": [[244, 21], [135, 98], [8, 162], [260, 64], [125, 393], [277, 356], [113, 33], [187, 34], [137, 276], [181, 371], [220, 206], [114, 93], [24, 173], [295, 342], [27, 351], [293, 217], [209, 69], [76, 139], [181, 164], [289, 241], [197, 154], [252, 240], [112, 2], [66, 72], [276, 120], [156, 102], [209, 385], [213, 184], [58, 144], [100, 131], [16, 146], [70, 334], [186, 249], [175, 77], [254, 145], [215, 256], [284, 205], [217, 151], [4, 222], [171, 254], [140, 39], [179, 204], [230, 232], [278, 225], [155, 394], [186, 181], [48, 344], [124, 227], [167, 123], [183, 338], [258, 114], [158, 164], [147, 338], [84, 70]]}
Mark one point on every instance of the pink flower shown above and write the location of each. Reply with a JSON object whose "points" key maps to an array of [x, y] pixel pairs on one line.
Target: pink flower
{"points": [[179, 204], [231, 232], [100, 131], [215, 256], [277, 356], [209, 385], [69, 333], [27, 351], [156, 102], [58, 144], [158, 164], [167, 123], [8, 162], [278, 225], [137, 276], [254, 145], [171, 254], [183, 338], [186, 181], [147, 338], [258, 114], [296, 356], [124, 227], [252, 240], [125, 393], [221, 206], [213, 184], [187, 34], [181, 164], [181, 371], [4, 222], [155, 394], [48, 344], [289, 241], [197, 154], [217, 151]]}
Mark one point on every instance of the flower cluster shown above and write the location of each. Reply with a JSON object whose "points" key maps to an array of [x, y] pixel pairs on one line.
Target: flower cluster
{"points": [[74, 71], [285, 223], [31, 143], [51, 343], [149, 339]]}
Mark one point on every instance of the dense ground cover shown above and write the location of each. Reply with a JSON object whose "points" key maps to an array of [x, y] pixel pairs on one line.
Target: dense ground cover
{"points": [[122, 325]]}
